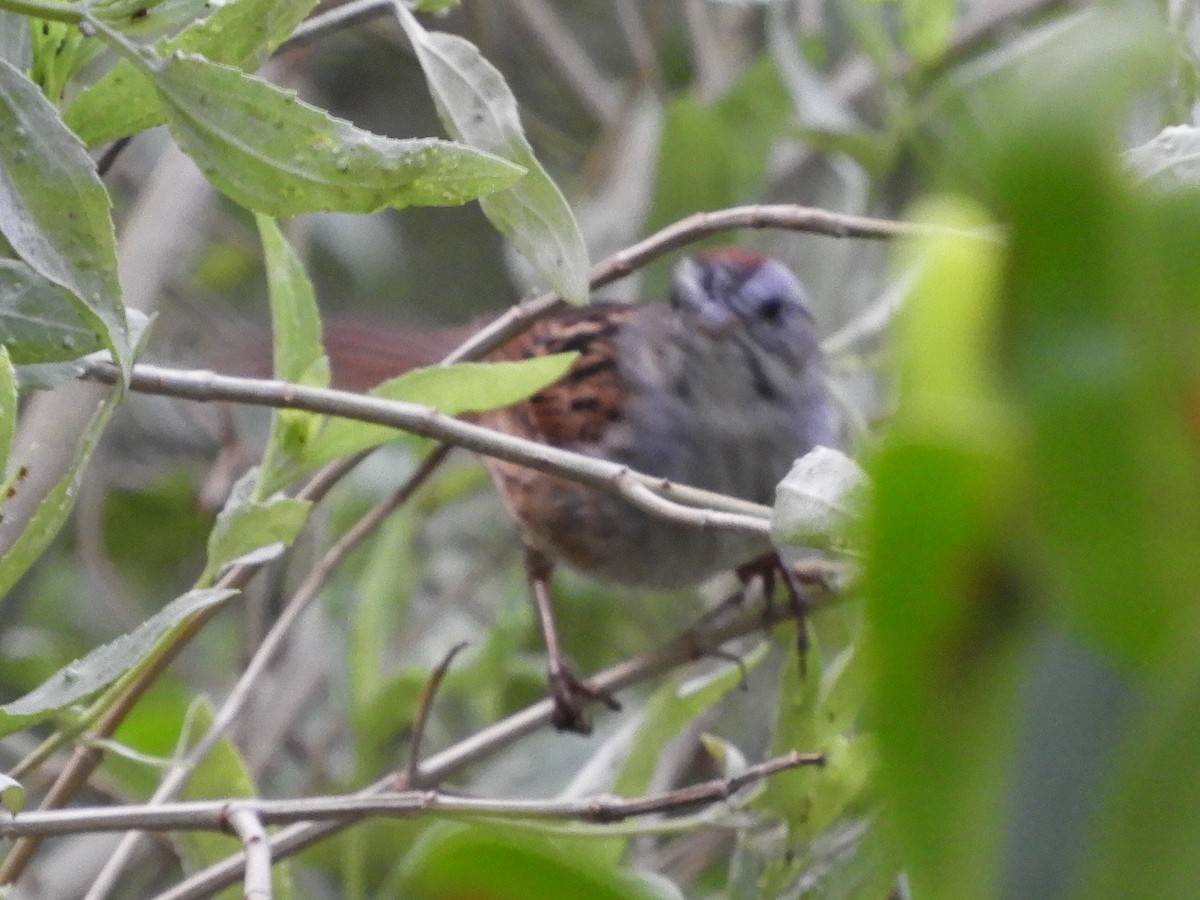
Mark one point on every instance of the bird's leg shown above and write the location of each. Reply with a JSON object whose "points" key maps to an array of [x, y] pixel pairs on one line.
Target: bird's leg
{"points": [[768, 568], [570, 695]]}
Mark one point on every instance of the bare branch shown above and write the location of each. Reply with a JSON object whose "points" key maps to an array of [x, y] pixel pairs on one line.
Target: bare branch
{"points": [[247, 825], [427, 696], [603, 475], [308, 590], [248, 816], [685, 648], [679, 234]]}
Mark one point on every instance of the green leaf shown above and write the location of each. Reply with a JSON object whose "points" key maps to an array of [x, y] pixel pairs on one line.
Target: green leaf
{"points": [[12, 794], [105, 664], [54, 508], [946, 612], [477, 107], [299, 356], [251, 530], [928, 26], [54, 211], [41, 321], [819, 500], [495, 862], [241, 33], [456, 389], [277, 155]]}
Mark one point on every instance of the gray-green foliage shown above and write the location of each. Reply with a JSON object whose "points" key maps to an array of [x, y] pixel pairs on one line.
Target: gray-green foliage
{"points": [[1009, 706]]}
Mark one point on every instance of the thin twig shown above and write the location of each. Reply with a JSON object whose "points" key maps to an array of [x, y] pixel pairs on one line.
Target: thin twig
{"points": [[247, 825], [212, 815], [679, 234], [427, 696], [87, 756], [308, 590], [345, 16], [571, 60], [601, 474], [685, 648]]}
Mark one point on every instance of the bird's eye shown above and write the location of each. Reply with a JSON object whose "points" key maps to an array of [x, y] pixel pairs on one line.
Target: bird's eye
{"points": [[674, 300], [770, 310]]}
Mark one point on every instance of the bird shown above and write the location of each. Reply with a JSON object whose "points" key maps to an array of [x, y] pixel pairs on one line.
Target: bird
{"points": [[721, 386]]}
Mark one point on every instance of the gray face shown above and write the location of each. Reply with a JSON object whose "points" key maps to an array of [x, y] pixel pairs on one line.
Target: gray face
{"points": [[757, 296]]}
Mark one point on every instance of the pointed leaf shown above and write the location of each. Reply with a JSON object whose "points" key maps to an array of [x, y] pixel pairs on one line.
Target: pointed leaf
{"points": [[53, 209], [298, 356], [105, 664], [241, 33], [53, 509], [457, 389], [277, 155], [41, 321], [8, 411], [477, 107], [252, 530]]}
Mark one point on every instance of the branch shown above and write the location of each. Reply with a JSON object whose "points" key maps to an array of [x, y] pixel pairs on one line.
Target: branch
{"points": [[247, 824], [685, 648], [603, 475], [308, 590], [679, 234], [248, 816], [87, 756]]}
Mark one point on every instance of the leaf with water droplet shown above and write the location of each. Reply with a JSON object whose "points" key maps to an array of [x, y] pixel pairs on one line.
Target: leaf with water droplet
{"points": [[54, 211], [317, 161], [242, 33], [40, 321], [105, 664]]}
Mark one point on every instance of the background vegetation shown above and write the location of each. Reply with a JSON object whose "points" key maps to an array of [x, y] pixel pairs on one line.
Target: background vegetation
{"points": [[1004, 661]]}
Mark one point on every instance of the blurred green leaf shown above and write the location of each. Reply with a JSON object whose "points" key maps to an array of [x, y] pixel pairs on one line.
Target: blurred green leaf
{"points": [[275, 154], [477, 107], [12, 794], [105, 664], [453, 390], [54, 211], [41, 321], [249, 530], [497, 863], [298, 357], [240, 33], [945, 610], [928, 25]]}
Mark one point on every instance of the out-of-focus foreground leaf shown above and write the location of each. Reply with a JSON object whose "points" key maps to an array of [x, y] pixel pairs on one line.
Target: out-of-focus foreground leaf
{"points": [[1032, 573]]}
